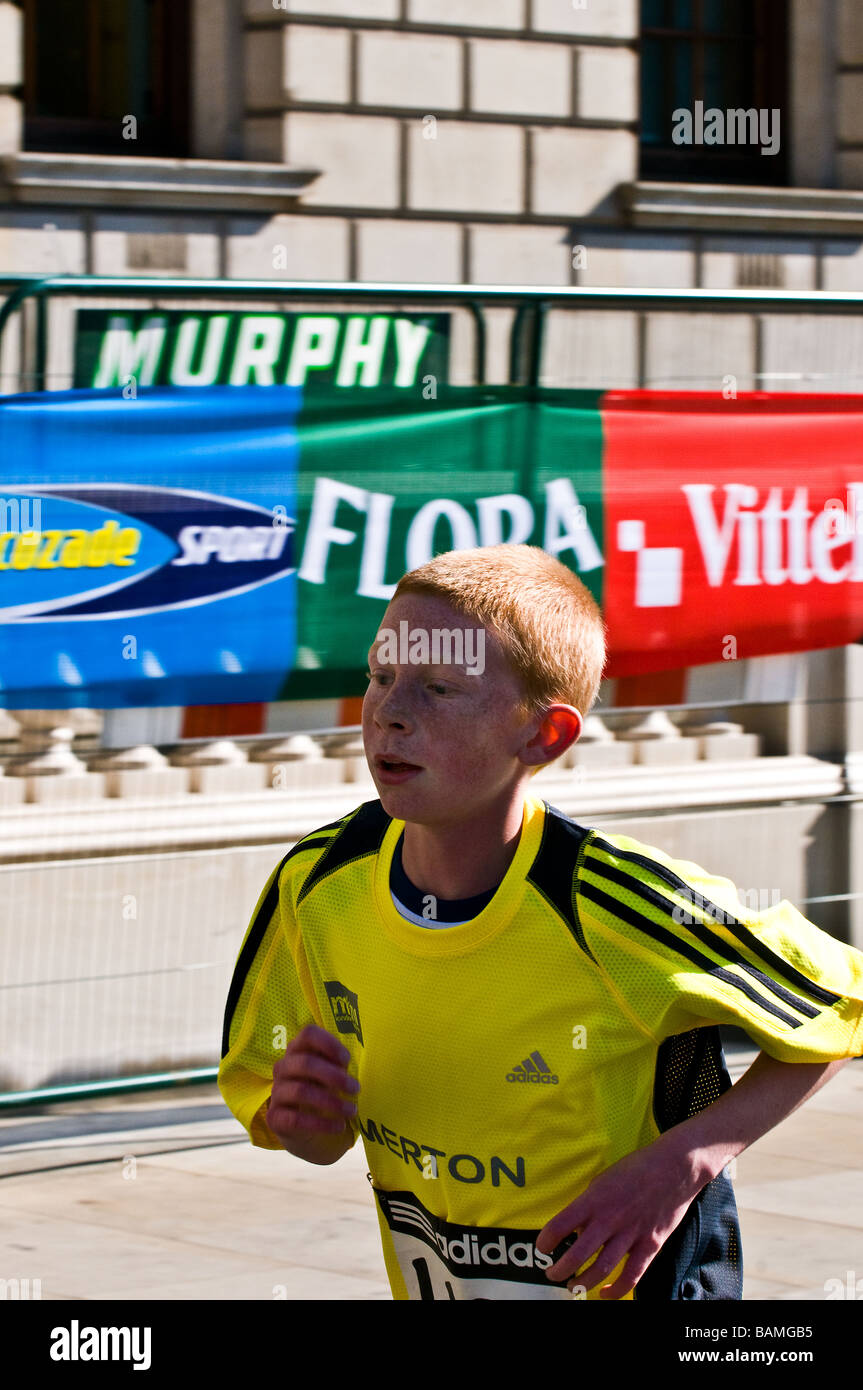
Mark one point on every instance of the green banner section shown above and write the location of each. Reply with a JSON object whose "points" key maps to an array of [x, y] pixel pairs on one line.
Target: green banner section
{"points": [[383, 488], [315, 350]]}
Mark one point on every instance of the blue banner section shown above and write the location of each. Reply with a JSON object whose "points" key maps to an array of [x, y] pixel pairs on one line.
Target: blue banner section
{"points": [[147, 546]]}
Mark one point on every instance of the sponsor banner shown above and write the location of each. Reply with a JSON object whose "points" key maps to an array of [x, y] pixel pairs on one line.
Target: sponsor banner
{"points": [[178, 347], [224, 545], [147, 548], [733, 528], [379, 494]]}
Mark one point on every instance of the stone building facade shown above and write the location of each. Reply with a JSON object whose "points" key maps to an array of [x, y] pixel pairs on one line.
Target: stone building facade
{"points": [[431, 141]]}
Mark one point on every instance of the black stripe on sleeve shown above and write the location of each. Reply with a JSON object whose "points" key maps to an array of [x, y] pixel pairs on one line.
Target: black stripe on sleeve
{"points": [[258, 931], [738, 929], [666, 938], [703, 934]]}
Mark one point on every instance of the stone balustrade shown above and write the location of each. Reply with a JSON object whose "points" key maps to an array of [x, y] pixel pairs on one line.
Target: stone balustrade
{"points": [[128, 876], [50, 757]]}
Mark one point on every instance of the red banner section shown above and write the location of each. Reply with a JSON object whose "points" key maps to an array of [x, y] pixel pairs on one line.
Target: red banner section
{"points": [[733, 528]]}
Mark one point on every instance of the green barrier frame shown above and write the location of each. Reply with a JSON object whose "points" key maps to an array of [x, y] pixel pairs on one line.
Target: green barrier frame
{"points": [[531, 304], [98, 1090]]}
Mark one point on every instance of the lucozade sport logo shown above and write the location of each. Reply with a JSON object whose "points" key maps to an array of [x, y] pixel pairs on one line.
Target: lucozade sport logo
{"points": [[104, 550]]}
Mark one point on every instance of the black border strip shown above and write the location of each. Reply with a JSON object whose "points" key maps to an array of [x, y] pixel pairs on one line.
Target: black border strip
{"points": [[361, 836], [553, 873]]}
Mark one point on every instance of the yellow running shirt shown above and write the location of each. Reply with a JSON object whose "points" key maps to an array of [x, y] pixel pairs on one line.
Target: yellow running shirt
{"points": [[507, 1061]]}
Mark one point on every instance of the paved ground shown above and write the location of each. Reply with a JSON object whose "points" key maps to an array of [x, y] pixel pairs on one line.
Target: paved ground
{"points": [[163, 1197]]}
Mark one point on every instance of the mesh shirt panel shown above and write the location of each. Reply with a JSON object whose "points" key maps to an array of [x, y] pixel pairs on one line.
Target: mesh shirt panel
{"points": [[267, 1004], [702, 1259], [683, 951]]}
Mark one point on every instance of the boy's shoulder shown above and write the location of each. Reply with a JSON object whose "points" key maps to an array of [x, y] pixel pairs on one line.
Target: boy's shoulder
{"points": [[320, 852]]}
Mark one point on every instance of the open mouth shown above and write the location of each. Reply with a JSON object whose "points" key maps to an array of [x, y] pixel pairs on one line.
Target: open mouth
{"points": [[396, 765]]}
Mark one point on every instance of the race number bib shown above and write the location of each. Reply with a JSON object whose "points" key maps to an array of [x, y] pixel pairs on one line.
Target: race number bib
{"points": [[439, 1260]]}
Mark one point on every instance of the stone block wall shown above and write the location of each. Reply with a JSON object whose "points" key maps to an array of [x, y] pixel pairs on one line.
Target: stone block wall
{"points": [[490, 144]]}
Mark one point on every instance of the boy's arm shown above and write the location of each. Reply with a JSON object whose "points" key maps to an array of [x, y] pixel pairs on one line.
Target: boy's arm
{"points": [[680, 949], [298, 1097], [632, 1208]]}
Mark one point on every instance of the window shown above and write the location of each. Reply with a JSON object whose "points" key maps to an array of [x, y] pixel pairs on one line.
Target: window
{"points": [[90, 64], [702, 56]]}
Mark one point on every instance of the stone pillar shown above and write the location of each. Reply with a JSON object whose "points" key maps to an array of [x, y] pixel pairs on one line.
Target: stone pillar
{"points": [[846, 33], [10, 732], [657, 741], [834, 731], [140, 771], [834, 716], [11, 790], [296, 763], [11, 77], [53, 772], [219, 767], [349, 748], [718, 737], [812, 89], [216, 97], [597, 747]]}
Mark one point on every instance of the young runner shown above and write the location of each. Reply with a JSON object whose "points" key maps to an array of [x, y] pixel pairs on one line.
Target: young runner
{"points": [[517, 1013]]}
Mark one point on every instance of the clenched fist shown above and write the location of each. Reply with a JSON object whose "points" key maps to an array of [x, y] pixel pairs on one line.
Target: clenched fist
{"points": [[310, 1103]]}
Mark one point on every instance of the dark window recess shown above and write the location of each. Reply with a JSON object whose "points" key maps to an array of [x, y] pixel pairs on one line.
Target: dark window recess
{"points": [[91, 65], [730, 55]]}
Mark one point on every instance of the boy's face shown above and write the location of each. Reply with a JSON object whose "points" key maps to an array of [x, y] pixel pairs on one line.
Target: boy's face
{"points": [[441, 737]]}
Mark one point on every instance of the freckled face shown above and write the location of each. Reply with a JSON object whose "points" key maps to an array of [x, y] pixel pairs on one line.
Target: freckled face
{"points": [[441, 743]]}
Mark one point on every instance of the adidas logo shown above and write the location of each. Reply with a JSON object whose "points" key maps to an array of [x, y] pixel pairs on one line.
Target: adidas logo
{"points": [[534, 1068]]}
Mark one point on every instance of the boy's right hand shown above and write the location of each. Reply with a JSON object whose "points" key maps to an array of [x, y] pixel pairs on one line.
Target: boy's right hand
{"points": [[313, 1097]]}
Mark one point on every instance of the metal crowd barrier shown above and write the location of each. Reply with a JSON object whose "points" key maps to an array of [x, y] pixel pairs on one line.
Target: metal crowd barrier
{"points": [[526, 340], [531, 305]]}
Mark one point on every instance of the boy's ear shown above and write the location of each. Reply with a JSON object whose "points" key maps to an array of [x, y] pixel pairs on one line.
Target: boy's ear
{"points": [[560, 728]]}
